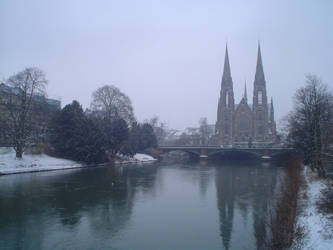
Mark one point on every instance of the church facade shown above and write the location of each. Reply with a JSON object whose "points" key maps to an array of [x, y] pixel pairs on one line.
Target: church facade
{"points": [[245, 123]]}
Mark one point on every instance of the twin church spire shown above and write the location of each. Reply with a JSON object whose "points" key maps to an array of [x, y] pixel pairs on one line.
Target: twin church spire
{"points": [[259, 78], [238, 123]]}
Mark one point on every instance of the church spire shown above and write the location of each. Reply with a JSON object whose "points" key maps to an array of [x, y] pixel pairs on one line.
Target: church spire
{"points": [[259, 77], [272, 110], [245, 93], [272, 119], [226, 78]]}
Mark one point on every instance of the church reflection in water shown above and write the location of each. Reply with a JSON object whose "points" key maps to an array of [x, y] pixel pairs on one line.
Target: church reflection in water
{"points": [[97, 208], [243, 197]]}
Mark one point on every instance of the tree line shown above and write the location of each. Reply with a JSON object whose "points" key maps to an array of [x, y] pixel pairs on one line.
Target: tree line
{"points": [[309, 126], [94, 135]]}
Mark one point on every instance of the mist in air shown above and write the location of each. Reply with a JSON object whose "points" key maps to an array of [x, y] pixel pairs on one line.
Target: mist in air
{"points": [[168, 56]]}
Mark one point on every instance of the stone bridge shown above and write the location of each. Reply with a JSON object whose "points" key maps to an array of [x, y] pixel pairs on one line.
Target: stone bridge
{"points": [[264, 153]]}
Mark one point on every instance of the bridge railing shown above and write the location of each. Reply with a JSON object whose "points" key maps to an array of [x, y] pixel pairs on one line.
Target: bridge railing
{"points": [[222, 147]]}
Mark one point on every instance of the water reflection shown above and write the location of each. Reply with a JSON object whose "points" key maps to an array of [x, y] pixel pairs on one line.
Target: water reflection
{"points": [[106, 195], [126, 208], [241, 189]]}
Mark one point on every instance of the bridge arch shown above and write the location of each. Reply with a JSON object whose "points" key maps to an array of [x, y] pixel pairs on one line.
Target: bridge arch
{"points": [[191, 153], [234, 152]]}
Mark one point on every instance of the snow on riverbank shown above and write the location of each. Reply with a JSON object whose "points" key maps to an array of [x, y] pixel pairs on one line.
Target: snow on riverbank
{"points": [[137, 158], [318, 226], [9, 164]]}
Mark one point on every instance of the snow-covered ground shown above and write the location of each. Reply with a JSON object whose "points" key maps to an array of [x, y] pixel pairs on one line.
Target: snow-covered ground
{"points": [[9, 164], [135, 159], [318, 226]]}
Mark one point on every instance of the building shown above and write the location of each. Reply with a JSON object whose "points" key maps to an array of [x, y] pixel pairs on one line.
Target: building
{"points": [[245, 123], [43, 109], [6, 92]]}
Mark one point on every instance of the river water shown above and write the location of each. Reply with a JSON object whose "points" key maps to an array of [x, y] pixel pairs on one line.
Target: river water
{"points": [[159, 206]]}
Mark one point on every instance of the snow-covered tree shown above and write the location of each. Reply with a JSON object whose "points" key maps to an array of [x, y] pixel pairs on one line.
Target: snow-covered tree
{"points": [[25, 88], [311, 120]]}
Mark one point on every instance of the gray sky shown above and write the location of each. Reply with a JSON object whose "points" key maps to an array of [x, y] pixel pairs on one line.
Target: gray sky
{"points": [[167, 56]]}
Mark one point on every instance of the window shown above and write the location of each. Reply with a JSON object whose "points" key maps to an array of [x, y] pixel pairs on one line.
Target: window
{"points": [[259, 97], [259, 116], [260, 130], [227, 98], [226, 129]]}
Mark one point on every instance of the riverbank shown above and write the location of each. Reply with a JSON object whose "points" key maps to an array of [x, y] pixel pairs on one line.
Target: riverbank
{"points": [[137, 158], [318, 226], [9, 164]]}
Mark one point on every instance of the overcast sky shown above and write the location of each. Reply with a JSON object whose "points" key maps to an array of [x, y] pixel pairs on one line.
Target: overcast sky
{"points": [[167, 55]]}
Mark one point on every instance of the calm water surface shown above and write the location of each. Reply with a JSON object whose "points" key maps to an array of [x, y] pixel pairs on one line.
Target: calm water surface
{"points": [[160, 206]]}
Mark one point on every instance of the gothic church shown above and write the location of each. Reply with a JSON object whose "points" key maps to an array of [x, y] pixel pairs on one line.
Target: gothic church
{"points": [[245, 123]]}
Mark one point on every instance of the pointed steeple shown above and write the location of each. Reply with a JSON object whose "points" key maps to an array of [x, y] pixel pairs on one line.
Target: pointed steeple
{"points": [[226, 78], [272, 119], [272, 110], [245, 93], [259, 77]]}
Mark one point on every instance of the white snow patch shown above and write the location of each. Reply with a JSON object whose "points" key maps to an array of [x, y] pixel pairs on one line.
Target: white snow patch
{"points": [[318, 226], [9, 164], [143, 157], [137, 158]]}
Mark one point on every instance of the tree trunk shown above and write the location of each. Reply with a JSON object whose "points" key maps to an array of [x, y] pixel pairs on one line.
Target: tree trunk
{"points": [[19, 151]]}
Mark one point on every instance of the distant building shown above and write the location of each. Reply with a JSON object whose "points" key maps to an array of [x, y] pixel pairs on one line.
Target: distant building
{"points": [[245, 123], [7, 91], [43, 109]]}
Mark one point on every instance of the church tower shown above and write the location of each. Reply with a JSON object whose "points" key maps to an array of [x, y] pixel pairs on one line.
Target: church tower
{"points": [[260, 107], [272, 120], [226, 106]]}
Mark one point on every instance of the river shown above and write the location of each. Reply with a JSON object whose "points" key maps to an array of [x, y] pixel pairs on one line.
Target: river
{"points": [[157, 206]]}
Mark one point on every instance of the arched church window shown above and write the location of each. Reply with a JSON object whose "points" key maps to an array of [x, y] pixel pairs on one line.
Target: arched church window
{"points": [[226, 129], [227, 98], [260, 116], [259, 97], [260, 130]]}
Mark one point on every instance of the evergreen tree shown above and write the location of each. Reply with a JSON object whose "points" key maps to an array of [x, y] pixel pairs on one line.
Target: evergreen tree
{"points": [[74, 136], [147, 137], [115, 134]]}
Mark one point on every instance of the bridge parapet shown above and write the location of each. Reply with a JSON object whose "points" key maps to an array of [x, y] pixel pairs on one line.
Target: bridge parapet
{"points": [[264, 153]]}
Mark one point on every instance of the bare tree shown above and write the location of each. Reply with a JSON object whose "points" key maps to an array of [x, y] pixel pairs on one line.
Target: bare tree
{"points": [[160, 129], [308, 122], [108, 101], [204, 131], [25, 87]]}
